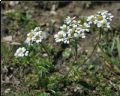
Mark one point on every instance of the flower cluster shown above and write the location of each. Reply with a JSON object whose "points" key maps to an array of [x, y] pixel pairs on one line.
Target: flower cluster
{"points": [[73, 29], [101, 19], [21, 52], [35, 36]]}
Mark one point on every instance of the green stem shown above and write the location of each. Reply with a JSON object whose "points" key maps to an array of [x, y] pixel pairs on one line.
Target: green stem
{"points": [[45, 48], [76, 50], [99, 38]]}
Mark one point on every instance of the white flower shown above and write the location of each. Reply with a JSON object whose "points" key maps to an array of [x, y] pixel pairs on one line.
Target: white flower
{"points": [[67, 20], [26, 53], [75, 35], [103, 19], [91, 19], [60, 36], [84, 27], [29, 38], [35, 36], [37, 29], [99, 24], [21, 52], [75, 26], [63, 27], [70, 30]]}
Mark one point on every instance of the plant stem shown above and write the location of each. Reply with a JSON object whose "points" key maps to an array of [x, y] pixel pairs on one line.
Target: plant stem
{"points": [[44, 47], [99, 38], [76, 50]]}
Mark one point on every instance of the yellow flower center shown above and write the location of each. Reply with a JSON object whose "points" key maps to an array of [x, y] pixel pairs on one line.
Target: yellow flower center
{"points": [[100, 18]]}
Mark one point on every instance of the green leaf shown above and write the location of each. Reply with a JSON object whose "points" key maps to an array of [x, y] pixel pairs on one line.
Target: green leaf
{"points": [[118, 45], [31, 24], [85, 84], [66, 54]]}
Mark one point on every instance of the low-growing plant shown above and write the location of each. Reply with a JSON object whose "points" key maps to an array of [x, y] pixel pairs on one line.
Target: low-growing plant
{"points": [[38, 53]]}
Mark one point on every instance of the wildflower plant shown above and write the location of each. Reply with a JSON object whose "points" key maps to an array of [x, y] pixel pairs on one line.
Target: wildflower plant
{"points": [[33, 50], [71, 32]]}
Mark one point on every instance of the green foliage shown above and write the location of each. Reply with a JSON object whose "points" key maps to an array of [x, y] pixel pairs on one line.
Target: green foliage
{"points": [[31, 24], [53, 81], [67, 53], [118, 46]]}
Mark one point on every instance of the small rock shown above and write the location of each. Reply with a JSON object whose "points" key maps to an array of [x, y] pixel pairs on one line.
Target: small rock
{"points": [[7, 39]]}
